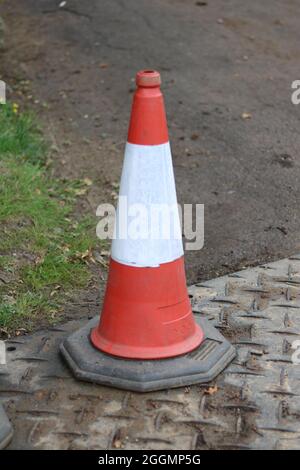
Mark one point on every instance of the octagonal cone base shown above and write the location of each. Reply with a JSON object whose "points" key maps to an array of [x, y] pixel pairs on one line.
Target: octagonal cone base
{"points": [[6, 431], [201, 365]]}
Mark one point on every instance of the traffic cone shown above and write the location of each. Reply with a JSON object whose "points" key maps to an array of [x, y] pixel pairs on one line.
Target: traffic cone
{"points": [[147, 313], [147, 337]]}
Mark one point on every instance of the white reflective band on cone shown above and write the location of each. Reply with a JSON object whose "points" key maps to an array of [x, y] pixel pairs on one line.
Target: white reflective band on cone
{"points": [[147, 228]]}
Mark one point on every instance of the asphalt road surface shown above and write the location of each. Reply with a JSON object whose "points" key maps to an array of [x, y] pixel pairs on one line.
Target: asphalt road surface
{"points": [[227, 69]]}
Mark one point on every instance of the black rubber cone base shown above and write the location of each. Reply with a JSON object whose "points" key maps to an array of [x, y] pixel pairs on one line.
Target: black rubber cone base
{"points": [[201, 365], [6, 431]]}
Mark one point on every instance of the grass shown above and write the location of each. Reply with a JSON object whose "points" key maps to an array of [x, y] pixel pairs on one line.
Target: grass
{"points": [[19, 135], [43, 248]]}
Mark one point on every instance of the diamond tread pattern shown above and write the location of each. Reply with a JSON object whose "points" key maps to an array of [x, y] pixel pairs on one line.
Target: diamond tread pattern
{"points": [[253, 404]]}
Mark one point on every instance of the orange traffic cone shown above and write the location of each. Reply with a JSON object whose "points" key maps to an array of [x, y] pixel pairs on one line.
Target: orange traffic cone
{"points": [[146, 315]]}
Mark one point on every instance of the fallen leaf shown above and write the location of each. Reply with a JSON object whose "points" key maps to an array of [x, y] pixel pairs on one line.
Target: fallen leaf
{"points": [[211, 390], [100, 259], [117, 444], [246, 116], [105, 253], [80, 192], [86, 256], [20, 331], [87, 181], [114, 195], [39, 260]]}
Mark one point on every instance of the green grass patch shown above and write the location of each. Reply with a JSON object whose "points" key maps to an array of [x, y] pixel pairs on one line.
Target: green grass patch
{"points": [[44, 250], [20, 136]]}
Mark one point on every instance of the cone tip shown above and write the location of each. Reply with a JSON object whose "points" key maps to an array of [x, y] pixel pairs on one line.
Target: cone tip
{"points": [[148, 78]]}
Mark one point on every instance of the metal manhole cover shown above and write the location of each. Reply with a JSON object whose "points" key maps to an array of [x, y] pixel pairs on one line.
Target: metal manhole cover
{"points": [[254, 404]]}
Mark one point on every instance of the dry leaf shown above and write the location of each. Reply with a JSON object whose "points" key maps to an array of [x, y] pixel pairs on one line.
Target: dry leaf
{"points": [[114, 195], [117, 444], [99, 258], [211, 390], [39, 260], [246, 116], [105, 253], [87, 181], [86, 256], [80, 192]]}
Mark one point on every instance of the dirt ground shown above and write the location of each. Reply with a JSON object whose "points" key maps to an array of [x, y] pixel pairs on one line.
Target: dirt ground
{"points": [[227, 71]]}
